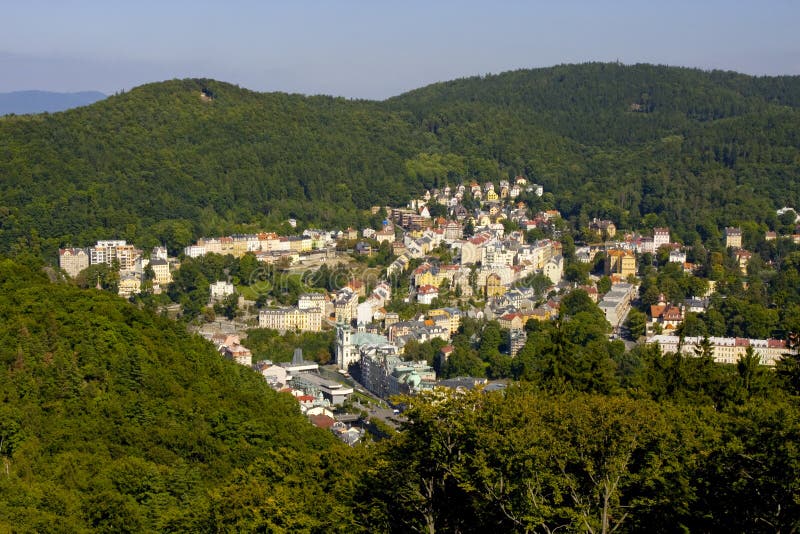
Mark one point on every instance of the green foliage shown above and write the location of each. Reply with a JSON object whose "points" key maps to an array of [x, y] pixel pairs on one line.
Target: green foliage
{"points": [[271, 345], [636, 322], [113, 419], [524, 461]]}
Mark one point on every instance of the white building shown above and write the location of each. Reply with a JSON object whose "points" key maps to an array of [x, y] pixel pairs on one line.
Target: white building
{"points": [[107, 251], [311, 300], [496, 255], [195, 251], [427, 293], [677, 256], [554, 269], [73, 260], [617, 302], [348, 343], [660, 237], [220, 290]]}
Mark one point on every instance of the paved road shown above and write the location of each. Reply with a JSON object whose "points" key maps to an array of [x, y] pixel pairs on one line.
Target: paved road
{"points": [[386, 415]]}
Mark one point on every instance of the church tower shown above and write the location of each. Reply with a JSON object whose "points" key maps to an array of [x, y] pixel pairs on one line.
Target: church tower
{"points": [[344, 347]]}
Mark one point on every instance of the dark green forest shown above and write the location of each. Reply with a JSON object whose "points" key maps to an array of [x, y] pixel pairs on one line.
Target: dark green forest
{"points": [[693, 150], [113, 419]]}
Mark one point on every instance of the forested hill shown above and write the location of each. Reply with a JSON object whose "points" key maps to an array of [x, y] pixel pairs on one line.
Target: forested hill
{"points": [[634, 103], [115, 420], [170, 161]]}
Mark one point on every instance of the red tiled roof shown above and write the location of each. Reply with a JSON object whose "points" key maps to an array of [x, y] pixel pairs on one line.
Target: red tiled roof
{"points": [[321, 421]]}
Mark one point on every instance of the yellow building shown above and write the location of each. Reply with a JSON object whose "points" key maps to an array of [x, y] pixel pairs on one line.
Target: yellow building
{"points": [[733, 237], [620, 262], [291, 319], [129, 284], [452, 318], [494, 286], [161, 274], [240, 248]]}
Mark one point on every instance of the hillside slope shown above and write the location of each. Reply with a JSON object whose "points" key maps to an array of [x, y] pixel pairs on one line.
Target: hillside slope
{"points": [[112, 419], [170, 161]]}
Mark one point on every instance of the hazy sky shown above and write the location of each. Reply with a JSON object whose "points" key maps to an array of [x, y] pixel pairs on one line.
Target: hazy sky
{"points": [[375, 49]]}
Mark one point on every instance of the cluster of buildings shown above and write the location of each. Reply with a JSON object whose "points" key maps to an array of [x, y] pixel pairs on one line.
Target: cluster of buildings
{"points": [[129, 259], [379, 364], [487, 193], [269, 248], [620, 262]]}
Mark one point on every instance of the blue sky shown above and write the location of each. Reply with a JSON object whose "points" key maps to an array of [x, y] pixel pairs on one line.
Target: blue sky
{"points": [[375, 49]]}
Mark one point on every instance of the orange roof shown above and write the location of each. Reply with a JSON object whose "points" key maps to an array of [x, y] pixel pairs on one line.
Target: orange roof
{"points": [[656, 310], [321, 421]]}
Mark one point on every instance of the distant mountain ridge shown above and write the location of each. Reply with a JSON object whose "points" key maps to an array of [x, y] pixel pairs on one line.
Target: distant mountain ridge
{"points": [[642, 145], [24, 102]]}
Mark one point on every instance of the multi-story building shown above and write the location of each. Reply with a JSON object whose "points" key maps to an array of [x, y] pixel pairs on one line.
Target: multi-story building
{"points": [[453, 230], [403, 328], [385, 374], [161, 273], [219, 290], [496, 255], [517, 339], [494, 286], [195, 251], [677, 256], [110, 250], [536, 254], [725, 349], [73, 260], [160, 253], [660, 237], [472, 249], [733, 237], [130, 283], [450, 318], [238, 353], [346, 305], [617, 302], [427, 294], [348, 344], [620, 262], [554, 269], [291, 319], [604, 228], [311, 300], [385, 234]]}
